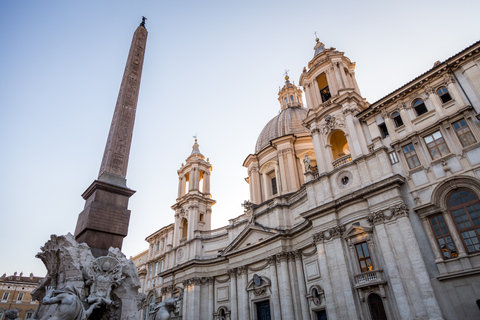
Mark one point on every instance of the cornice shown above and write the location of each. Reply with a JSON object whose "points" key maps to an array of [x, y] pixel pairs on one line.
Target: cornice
{"points": [[418, 82]]}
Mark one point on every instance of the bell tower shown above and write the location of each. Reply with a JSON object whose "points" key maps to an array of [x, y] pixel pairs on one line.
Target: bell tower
{"points": [[333, 98], [193, 208]]}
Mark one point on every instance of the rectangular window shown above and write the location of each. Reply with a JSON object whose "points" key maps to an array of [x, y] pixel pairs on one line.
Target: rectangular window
{"points": [[383, 130], [20, 296], [436, 145], [393, 157], [156, 269], [364, 258], [158, 246], [442, 234], [411, 156], [150, 271], [161, 266], [463, 133], [163, 243], [29, 315], [274, 185], [5, 296]]}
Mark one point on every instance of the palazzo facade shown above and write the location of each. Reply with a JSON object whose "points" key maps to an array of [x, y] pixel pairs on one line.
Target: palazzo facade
{"points": [[356, 211]]}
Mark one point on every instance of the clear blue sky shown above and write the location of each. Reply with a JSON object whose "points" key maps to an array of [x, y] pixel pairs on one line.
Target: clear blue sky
{"points": [[212, 68]]}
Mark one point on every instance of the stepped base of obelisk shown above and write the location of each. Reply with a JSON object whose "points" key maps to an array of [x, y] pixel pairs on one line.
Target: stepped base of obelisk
{"points": [[79, 286]]}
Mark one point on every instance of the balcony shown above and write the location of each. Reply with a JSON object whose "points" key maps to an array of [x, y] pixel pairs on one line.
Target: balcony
{"points": [[342, 160], [369, 278]]}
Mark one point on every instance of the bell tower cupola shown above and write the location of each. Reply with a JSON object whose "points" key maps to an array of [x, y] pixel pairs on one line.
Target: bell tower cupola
{"points": [[290, 96], [194, 204], [330, 74]]}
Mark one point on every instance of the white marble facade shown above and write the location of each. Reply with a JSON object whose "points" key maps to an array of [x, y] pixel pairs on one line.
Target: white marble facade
{"points": [[357, 210]]}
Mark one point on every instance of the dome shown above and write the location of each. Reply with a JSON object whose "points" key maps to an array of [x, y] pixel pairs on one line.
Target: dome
{"points": [[289, 121]]}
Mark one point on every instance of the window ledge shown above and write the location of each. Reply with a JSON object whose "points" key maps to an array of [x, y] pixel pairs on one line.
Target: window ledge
{"points": [[424, 116], [415, 170], [442, 158], [471, 147], [451, 101], [459, 274]]}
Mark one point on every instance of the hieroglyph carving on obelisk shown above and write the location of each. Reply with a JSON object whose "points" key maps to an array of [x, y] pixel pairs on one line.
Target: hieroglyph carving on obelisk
{"points": [[117, 150]]}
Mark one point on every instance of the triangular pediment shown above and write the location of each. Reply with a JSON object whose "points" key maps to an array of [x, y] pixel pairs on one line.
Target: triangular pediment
{"points": [[356, 230], [250, 236]]}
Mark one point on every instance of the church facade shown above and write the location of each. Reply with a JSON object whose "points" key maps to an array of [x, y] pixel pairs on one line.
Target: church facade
{"points": [[356, 211]]}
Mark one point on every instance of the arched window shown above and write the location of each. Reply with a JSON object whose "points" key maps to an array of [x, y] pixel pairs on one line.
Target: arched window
{"points": [[375, 304], [151, 304], [339, 145], [444, 95], [397, 119], [419, 107], [291, 98], [184, 228], [223, 314], [323, 86], [465, 209]]}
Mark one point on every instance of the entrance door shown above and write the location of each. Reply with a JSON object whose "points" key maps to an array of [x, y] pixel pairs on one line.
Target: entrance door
{"points": [[321, 315], [377, 311], [263, 310]]}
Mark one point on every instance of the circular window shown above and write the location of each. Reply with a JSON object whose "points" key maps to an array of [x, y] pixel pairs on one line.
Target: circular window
{"points": [[344, 179]]}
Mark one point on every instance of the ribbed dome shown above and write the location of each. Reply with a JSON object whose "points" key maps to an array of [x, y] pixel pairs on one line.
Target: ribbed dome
{"points": [[287, 122]]}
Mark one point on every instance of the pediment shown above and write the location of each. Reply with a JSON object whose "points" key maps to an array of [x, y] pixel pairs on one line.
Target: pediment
{"points": [[356, 230], [250, 236]]}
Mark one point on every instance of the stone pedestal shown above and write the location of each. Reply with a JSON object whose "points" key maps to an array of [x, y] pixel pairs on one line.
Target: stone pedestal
{"points": [[103, 223]]}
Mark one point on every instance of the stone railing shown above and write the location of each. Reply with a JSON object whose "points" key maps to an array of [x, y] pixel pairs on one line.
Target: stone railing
{"points": [[369, 278], [342, 160]]}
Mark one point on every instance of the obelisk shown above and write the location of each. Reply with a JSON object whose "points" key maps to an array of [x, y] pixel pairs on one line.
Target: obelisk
{"points": [[103, 223]]}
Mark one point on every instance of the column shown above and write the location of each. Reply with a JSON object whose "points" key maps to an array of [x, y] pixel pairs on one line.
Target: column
{"points": [[319, 149], [282, 170], [195, 298], [233, 292], [297, 308], [277, 312], [308, 96], [344, 77], [211, 297], [421, 275], [455, 94], [390, 125], [285, 290], [332, 84], [453, 231], [409, 127], [316, 96], [180, 187], [435, 101], [337, 76], [186, 296], [244, 311], [301, 285], [355, 83], [431, 239], [393, 273], [354, 145], [325, 273], [206, 181]]}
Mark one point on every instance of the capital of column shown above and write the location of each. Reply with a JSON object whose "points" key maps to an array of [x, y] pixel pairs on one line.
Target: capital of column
{"points": [[241, 270], [232, 273]]}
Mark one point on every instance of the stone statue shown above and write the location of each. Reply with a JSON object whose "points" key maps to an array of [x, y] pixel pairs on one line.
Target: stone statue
{"points": [[11, 314], [307, 163], [163, 309], [69, 302], [78, 285], [104, 275]]}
